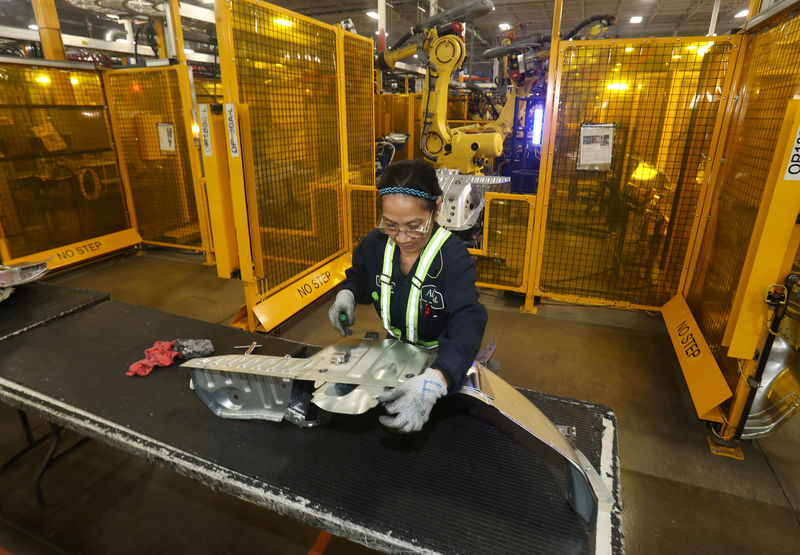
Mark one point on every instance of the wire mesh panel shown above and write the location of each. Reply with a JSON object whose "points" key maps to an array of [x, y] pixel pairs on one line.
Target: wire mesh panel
{"points": [[286, 74], [503, 260], [364, 210], [151, 137], [208, 91], [770, 77], [59, 181], [635, 123], [359, 105]]}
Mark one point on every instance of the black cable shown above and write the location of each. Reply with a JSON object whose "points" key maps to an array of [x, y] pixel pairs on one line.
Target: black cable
{"points": [[586, 22]]}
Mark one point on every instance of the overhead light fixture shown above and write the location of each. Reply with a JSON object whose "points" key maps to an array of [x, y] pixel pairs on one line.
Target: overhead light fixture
{"points": [[636, 19], [373, 15], [43, 79], [617, 86], [629, 49], [33, 27], [188, 51], [504, 26], [112, 16], [283, 22], [743, 13]]}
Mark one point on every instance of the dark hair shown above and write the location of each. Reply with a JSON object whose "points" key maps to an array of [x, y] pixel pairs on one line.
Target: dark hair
{"points": [[413, 174]]}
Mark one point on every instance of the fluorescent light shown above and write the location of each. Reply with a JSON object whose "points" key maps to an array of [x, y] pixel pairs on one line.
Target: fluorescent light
{"points": [[188, 51], [617, 86], [629, 49], [284, 22], [504, 26], [112, 16], [636, 19], [33, 27], [538, 126], [743, 13], [373, 15], [43, 79]]}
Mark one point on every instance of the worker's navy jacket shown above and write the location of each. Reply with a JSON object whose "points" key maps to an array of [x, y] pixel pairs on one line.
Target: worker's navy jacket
{"points": [[449, 308]]}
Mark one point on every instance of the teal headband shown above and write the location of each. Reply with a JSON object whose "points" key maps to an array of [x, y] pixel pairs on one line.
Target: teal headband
{"points": [[406, 191]]}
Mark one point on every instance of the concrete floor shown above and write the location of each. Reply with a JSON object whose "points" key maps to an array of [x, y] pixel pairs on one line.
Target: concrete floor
{"points": [[677, 496]]}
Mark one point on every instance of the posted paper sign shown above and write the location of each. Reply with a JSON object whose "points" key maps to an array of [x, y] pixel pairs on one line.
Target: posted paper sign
{"points": [[596, 147], [166, 136]]}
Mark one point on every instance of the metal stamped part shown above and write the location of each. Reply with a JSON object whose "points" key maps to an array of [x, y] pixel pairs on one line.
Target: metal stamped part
{"points": [[385, 363], [263, 365], [245, 396], [24, 272], [463, 197]]}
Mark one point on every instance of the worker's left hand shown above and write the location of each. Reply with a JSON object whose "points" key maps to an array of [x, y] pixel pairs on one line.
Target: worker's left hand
{"points": [[411, 402]]}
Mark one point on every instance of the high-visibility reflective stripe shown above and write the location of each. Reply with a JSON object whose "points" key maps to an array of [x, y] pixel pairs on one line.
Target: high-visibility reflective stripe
{"points": [[425, 261], [386, 285], [412, 308]]}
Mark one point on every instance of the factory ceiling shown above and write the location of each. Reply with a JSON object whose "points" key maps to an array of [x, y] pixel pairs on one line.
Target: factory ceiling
{"points": [[101, 18]]}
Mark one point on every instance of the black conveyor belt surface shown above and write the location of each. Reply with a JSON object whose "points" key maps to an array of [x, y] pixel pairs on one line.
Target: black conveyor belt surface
{"points": [[460, 486], [35, 304]]}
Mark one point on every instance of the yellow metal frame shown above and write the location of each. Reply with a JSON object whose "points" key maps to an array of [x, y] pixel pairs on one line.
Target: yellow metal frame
{"points": [[49, 29], [558, 52], [717, 147], [772, 234], [269, 304], [92, 247], [220, 203], [75, 253], [545, 167], [707, 386], [193, 152], [189, 122], [488, 198], [710, 183]]}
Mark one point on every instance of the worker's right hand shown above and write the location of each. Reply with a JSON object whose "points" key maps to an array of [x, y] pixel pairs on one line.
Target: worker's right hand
{"points": [[341, 313]]}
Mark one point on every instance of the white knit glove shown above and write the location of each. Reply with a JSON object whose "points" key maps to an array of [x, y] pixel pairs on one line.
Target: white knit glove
{"points": [[411, 402], [343, 305]]}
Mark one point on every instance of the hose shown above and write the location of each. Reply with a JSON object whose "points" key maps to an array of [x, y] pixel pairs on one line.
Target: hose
{"points": [[586, 22]]}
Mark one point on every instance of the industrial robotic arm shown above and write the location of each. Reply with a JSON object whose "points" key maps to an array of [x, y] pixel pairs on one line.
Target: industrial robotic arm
{"points": [[437, 36]]}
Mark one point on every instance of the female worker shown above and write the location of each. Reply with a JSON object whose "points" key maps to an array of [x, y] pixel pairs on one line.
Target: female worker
{"points": [[421, 280]]}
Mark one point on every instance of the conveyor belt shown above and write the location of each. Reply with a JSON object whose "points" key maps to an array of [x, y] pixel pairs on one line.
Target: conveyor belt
{"points": [[461, 486], [35, 304]]}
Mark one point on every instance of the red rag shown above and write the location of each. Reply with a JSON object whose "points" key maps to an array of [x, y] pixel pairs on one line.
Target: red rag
{"points": [[162, 353]]}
